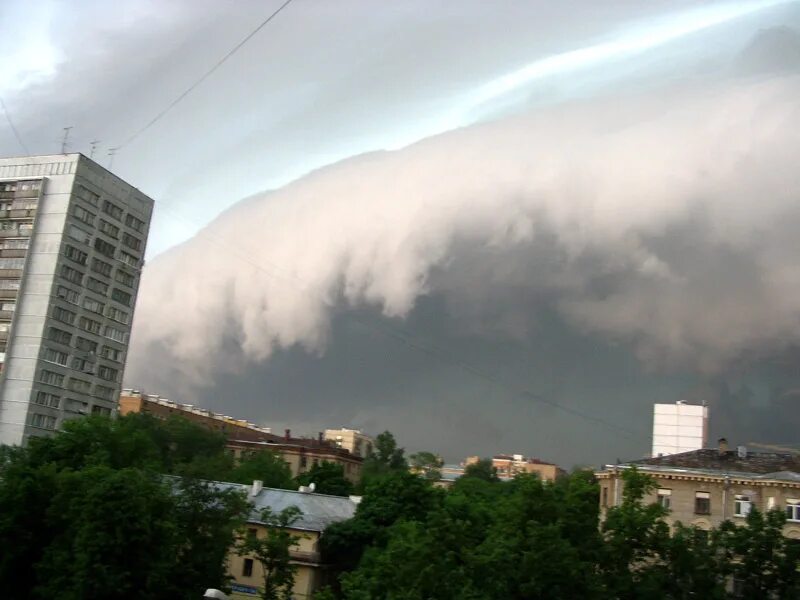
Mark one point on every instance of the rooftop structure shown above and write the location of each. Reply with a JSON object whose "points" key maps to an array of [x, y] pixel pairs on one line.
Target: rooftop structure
{"points": [[679, 427]]}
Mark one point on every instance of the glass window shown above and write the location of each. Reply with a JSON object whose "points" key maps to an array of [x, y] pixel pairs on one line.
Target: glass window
{"points": [[79, 385], [134, 223], [55, 356], [121, 297], [83, 215], [89, 325], [741, 506], [102, 391], [93, 305], [664, 498], [87, 195], [79, 235], [114, 333], [128, 259], [51, 378], [247, 567], [131, 241], [81, 364], [67, 294], [71, 274], [112, 209], [702, 503], [43, 421], [109, 229], [103, 247], [97, 286], [111, 353], [101, 410], [63, 315], [45, 399], [85, 345], [107, 373], [124, 278], [115, 314], [12, 263], [101, 267], [75, 255], [792, 509], [57, 335]]}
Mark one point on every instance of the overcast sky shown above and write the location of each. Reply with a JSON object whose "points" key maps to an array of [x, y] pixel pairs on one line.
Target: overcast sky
{"points": [[551, 214]]}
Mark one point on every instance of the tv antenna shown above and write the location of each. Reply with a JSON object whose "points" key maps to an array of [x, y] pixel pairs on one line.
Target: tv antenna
{"points": [[65, 140], [93, 147], [111, 153]]}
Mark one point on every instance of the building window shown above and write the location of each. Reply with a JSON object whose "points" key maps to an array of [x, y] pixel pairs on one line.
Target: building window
{"points": [[303, 461], [664, 498], [103, 247], [101, 410], [71, 274], [104, 392], [79, 385], [89, 325], [79, 235], [123, 278], [9, 284], [57, 335], [81, 364], [97, 286], [75, 255], [109, 229], [115, 334], [741, 506], [129, 259], [111, 353], [112, 209], [51, 378], [83, 215], [792, 509], [55, 356], [99, 266], [121, 297], [247, 567], [67, 294], [702, 503], [93, 305], [107, 373], [43, 421], [115, 314], [131, 242], [134, 223], [87, 195], [86, 345], [12, 263], [45, 399], [63, 315]]}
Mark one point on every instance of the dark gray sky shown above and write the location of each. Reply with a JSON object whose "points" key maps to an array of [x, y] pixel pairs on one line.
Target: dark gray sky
{"points": [[545, 204]]}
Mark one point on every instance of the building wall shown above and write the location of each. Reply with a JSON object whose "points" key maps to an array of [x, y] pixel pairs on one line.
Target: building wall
{"points": [[351, 440], [57, 369], [309, 576], [679, 427], [764, 495]]}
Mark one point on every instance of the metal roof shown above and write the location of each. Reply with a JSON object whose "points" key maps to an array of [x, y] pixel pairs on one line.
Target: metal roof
{"points": [[319, 510]]}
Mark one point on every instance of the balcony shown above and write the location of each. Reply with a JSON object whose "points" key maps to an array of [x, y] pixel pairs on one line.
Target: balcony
{"points": [[11, 273], [6, 315], [14, 232], [8, 294], [13, 252], [304, 557]]}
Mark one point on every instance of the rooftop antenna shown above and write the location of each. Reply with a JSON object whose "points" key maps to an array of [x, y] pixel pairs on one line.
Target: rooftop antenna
{"points": [[94, 147], [64, 140], [111, 153]]}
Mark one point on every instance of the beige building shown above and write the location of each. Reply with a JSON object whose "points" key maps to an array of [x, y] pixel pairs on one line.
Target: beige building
{"points": [[244, 437], [318, 512], [705, 487], [510, 465], [351, 440]]}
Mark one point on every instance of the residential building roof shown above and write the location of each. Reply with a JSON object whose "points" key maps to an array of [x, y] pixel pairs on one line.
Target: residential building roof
{"points": [[318, 510], [729, 461]]}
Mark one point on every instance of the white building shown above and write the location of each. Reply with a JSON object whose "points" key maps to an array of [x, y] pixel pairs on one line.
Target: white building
{"points": [[679, 427], [72, 241]]}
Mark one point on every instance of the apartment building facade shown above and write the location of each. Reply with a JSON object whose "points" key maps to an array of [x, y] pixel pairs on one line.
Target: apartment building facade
{"points": [[509, 466], [705, 487], [352, 440], [72, 243], [243, 437]]}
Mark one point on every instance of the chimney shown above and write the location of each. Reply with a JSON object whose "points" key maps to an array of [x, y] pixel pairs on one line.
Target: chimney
{"points": [[321, 437], [257, 486], [722, 447], [287, 433]]}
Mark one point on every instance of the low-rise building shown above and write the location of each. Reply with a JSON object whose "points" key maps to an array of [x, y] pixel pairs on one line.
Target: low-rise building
{"points": [[705, 487], [510, 465], [352, 440], [242, 436], [318, 511]]}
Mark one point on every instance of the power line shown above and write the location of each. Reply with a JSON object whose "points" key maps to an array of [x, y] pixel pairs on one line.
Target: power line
{"points": [[405, 339], [13, 128], [205, 76]]}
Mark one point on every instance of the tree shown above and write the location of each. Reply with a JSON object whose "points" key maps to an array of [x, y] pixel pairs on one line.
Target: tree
{"points": [[266, 466], [385, 458], [273, 552], [482, 469], [427, 464], [328, 478]]}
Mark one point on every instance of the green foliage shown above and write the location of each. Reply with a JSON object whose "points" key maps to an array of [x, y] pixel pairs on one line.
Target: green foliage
{"points": [[89, 513], [427, 464], [273, 552], [482, 469], [328, 478], [266, 466], [386, 458]]}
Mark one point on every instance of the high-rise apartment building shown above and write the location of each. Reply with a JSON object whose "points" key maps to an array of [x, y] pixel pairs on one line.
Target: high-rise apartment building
{"points": [[72, 241], [679, 427]]}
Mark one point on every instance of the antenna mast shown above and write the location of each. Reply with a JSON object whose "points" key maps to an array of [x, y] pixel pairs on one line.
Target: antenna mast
{"points": [[64, 141]]}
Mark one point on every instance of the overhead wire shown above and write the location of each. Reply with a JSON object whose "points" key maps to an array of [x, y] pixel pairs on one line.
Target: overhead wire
{"points": [[13, 128], [205, 76]]}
